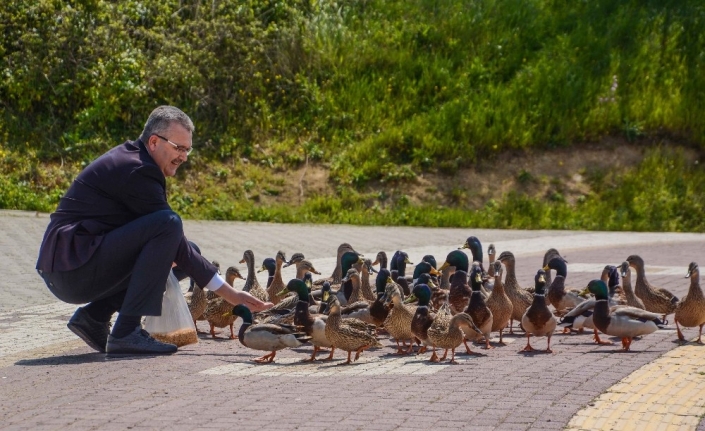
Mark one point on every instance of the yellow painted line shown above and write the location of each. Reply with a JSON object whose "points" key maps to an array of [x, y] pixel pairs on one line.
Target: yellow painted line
{"points": [[665, 394]]}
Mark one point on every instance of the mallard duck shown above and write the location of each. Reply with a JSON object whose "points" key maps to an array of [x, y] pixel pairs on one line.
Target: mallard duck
{"points": [[475, 246], [398, 322], [269, 265], [631, 299], [521, 299], [304, 267], [423, 317], [347, 262], [459, 293], [295, 258], [251, 284], [581, 317], [354, 277], [313, 325], [431, 259], [365, 286], [269, 337], [473, 243], [656, 300], [477, 309], [610, 275], [550, 254], [446, 273], [403, 284], [561, 298], [381, 260], [197, 302], [338, 273], [399, 262], [424, 267], [623, 322], [499, 303], [538, 319], [217, 311], [348, 334], [378, 309], [690, 311], [491, 256], [438, 295], [277, 284], [445, 332]]}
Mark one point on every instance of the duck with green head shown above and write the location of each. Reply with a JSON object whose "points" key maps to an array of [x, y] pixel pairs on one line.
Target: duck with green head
{"points": [[423, 318], [538, 319], [313, 325], [623, 322], [561, 298], [424, 267], [269, 337], [477, 309], [347, 261], [269, 265]]}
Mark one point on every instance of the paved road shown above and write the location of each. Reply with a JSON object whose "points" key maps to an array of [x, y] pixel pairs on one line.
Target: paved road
{"points": [[50, 380]]}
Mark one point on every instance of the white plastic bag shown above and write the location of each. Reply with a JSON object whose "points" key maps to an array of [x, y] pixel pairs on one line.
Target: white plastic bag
{"points": [[174, 325]]}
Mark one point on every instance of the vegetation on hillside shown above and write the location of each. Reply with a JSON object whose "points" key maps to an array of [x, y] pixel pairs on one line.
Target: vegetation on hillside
{"points": [[375, 90]]}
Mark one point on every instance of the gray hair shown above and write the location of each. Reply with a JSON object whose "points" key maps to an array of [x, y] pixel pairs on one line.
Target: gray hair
{"points": [[161, 118]]}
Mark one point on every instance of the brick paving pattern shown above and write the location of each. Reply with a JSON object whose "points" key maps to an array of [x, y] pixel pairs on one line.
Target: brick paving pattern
{"points": [[50, 380]]}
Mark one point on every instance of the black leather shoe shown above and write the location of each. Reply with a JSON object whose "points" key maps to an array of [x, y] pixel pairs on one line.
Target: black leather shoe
{"points": [[94, 333], [139, 341]]}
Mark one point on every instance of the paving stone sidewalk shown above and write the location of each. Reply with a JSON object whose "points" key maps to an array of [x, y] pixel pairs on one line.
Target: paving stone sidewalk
{"points": [[50, 380]]}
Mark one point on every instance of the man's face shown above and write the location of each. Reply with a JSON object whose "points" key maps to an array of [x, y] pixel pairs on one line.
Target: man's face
{"points": [[162, 149]]}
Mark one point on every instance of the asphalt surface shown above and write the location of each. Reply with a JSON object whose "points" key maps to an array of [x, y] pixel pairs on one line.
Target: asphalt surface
{"points": [[49, 379]]}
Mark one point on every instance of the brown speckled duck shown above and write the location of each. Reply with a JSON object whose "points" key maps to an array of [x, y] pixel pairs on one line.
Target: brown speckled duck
{"points": [[631, 299], [445, 332], [690, 311], [538, 319], [656, 300], [499, 303], [251, 284], [277, 284], [218, 311], [398, 322], [521, 299], [348, 334]]}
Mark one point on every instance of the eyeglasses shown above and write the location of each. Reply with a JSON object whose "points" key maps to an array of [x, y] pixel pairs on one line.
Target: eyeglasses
{"points": [[179, 148]]}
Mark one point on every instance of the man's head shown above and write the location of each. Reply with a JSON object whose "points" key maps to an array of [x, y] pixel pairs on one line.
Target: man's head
{"points": [[167, 135]]}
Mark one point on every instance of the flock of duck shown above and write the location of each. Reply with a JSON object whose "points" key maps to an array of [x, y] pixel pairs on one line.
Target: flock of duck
{"points": [[439, 307]]}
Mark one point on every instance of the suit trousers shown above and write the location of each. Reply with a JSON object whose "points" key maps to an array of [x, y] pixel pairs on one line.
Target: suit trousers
{"points": [[130, 266]]}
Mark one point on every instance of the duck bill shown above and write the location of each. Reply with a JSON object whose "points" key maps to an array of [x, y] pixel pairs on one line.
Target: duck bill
{"points": [[444, 266], [262, 268], [465, 245], [546, 268], [410, 299], [434, 271], [325, 296], [282, 292]]}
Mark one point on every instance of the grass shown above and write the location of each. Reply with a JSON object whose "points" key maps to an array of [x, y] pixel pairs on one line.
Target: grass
{"points": [[376, 91]]}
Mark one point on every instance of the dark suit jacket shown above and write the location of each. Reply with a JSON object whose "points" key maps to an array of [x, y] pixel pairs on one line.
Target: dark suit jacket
{"points": [[118, 187]]}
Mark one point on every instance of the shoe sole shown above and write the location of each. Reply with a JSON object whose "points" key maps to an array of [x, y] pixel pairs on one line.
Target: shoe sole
{"points": [[83, 336]]}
